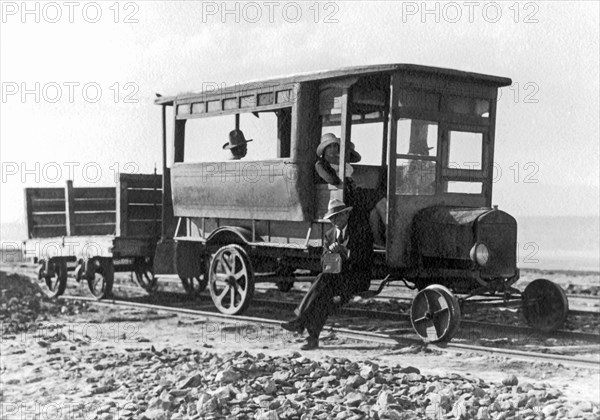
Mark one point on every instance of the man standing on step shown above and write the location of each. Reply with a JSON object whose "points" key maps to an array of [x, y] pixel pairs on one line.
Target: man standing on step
{"points": [[352, 239]]}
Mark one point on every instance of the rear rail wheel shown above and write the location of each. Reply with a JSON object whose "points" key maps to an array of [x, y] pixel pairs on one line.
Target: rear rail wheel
{"points": [[54, 274], [100, 275], [193, 286], [231, 280], [195, 279], [284, 285], [144, 275], [286, 279], [435, 314], [545, 305]]}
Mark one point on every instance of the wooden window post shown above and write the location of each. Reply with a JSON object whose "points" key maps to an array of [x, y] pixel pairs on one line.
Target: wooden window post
{"points": [[346, 128], [122, 201], [70, 209]]}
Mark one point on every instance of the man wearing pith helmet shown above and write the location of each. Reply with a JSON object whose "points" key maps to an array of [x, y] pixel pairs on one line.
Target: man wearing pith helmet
{"points": [[352, 240]]}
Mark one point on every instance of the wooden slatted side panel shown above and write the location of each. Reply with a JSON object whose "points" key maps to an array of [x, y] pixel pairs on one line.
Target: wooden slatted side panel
{"points": [[140, 205], [94, 211], [46, 212]]}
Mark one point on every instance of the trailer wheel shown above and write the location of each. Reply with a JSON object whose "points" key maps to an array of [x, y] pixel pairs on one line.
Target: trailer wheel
{"points": [[100, 277], [545, 305], [231, 280], [54, 274], [435, 314], [144, 274]]}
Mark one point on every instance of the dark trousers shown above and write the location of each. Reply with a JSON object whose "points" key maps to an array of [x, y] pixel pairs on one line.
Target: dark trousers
{"points": [[318, 302]]}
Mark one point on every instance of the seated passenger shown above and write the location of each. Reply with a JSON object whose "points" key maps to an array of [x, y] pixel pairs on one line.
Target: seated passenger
{"points": [[327, 165], [237, 145]]}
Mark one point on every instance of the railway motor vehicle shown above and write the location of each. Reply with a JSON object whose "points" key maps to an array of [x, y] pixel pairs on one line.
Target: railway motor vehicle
{"points": [[426, 136]]}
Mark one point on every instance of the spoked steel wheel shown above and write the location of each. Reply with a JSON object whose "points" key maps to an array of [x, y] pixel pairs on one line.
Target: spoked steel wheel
{"points": [[545, 305], [435, 314], [54, 274], [100, 277], [231, 280], [193, 286], [144, 275]]}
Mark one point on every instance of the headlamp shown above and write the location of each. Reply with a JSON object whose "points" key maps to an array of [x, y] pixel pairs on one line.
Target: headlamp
{"points": [[480, 253]]}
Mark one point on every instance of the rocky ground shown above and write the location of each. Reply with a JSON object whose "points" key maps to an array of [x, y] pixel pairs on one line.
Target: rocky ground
{"points": [[74, 360]]}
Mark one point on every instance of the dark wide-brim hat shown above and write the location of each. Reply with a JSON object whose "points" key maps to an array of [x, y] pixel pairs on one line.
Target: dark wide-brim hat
{"points": [[236, 138], [335, 207], [329, 139]]}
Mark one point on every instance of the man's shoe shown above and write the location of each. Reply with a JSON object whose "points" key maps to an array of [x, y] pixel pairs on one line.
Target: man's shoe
{"points": [[311, 344], [293, 326]]}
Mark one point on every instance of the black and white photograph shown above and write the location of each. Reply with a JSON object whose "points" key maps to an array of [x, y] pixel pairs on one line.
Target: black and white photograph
{"points": [[278, 210]]}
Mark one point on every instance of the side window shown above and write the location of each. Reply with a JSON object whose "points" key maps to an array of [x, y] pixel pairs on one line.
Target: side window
{"points": [[468, 106], [465, 150], [367, 139], [368, 113], [465, 157], [205, 137], [416, 169], [269, 131], [417, 137]]}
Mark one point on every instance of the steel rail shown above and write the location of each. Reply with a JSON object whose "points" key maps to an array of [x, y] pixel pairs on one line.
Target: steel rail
{"points": [[520, 331], [380, 338]]}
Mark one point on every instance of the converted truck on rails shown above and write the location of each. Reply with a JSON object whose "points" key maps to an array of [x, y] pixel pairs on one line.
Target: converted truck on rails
{"points": [[427, 138]]}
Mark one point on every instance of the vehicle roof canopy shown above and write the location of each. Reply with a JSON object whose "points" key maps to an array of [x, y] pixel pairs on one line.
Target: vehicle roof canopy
{"points": [[439, 72]]}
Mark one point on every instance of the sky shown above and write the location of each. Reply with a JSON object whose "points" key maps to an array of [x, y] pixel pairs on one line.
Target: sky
{"points": [[79, 80]]}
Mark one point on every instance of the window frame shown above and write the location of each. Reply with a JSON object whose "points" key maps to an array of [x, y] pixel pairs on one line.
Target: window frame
{"points": [[449, 174], [279, 149], [413, 157], [450, 121], [283, 96]]}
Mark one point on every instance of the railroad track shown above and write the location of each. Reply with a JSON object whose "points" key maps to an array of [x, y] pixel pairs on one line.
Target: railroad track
{"points": [[400, 322], [387, 338], [264, 287], [404, 294], [123, 279]]}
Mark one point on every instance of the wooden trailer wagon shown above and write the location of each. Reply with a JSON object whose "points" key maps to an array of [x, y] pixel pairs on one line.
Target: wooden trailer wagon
{"points": [[95, 232], [427, 138]]}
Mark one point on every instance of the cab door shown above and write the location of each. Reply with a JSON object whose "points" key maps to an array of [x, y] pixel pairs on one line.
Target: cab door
{"points": [[440, 153], [413, 144]]}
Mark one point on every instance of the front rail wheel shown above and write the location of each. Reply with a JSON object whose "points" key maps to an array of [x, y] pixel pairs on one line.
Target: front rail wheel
{"points": [[231, 280], [545, 305], [54, 274], [435, 314], [100, 277]]}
